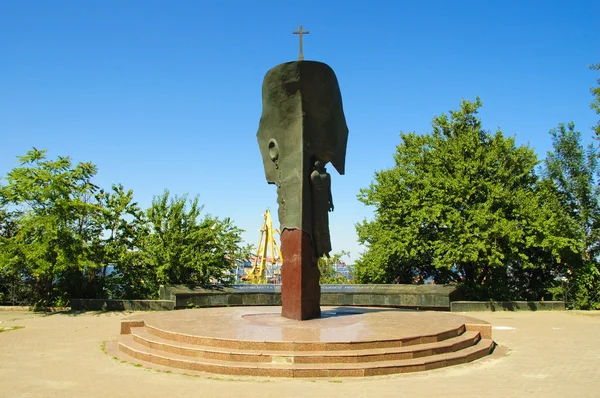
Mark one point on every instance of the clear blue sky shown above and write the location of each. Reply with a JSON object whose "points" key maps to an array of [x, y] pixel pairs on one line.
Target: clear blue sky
{"points": [[167, 94]]}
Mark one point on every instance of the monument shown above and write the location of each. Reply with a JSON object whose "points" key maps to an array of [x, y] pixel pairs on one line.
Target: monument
{"points": [[301, 129]]}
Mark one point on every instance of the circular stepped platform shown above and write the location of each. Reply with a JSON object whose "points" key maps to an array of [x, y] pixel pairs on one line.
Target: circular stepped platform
{"points": [[345, 341]]}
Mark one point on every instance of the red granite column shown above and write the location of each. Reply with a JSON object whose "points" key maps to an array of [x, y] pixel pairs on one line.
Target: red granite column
{"points": [[300, 289]]}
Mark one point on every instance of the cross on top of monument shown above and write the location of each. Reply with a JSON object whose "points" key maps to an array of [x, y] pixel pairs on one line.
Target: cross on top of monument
{"points": [[300, 32]]}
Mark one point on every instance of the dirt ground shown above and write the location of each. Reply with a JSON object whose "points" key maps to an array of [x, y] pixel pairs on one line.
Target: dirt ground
{"points": [[545, 354]]}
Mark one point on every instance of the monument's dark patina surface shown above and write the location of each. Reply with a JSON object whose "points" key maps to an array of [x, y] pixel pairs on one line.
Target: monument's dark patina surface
{"points": [[302, 128]]}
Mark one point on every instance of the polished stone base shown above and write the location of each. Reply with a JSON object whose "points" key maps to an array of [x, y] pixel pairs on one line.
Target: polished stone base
{"points": [[300, 289], [345, 341]]}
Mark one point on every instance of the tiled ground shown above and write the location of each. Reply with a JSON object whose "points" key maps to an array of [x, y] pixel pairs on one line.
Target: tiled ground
{"points": [[550, 354]]}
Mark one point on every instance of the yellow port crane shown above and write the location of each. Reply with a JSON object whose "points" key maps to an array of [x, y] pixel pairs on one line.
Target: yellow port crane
{"points": [[267, 238]]}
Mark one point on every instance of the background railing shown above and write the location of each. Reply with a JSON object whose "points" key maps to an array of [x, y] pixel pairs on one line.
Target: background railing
{"points": [[16, 293]]}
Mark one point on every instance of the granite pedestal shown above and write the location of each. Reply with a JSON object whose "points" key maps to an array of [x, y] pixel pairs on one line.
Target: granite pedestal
{"points": [[300, 289], [258, 341]]}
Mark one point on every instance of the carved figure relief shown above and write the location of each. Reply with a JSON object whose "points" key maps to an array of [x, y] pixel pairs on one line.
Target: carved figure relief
{"points": [[322, 204]]}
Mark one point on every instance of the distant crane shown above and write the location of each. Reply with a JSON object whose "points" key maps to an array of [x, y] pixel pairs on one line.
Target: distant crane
{"points": [[267, 238]]}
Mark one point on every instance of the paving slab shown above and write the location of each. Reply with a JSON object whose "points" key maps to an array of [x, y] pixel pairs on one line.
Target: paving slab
{"points": [[543, 354]]}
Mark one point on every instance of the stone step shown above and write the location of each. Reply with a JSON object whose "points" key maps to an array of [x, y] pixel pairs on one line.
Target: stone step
{"points": [[142, 336], [136, 350], [304, 345]]}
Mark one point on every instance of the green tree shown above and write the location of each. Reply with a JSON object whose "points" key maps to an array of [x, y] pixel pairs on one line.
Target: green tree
{"points": [[53, 222], [125, 228], [460, 205], [571, 174], [185, 248], [327, 268], [596, 103], [9, 227]]}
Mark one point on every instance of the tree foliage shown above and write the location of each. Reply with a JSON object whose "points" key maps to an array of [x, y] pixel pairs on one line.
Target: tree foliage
{"points": [[185, 248], [125, 227], [61, 237], [53, 202], [460, 205], [596, 102], [328, 271], [571, 175]]}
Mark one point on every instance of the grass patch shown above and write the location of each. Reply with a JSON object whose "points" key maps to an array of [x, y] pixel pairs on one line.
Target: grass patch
{"points": [[9, 328]]}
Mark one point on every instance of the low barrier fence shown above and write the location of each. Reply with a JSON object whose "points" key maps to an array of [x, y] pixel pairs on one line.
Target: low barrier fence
{"points": [[16, 293]]}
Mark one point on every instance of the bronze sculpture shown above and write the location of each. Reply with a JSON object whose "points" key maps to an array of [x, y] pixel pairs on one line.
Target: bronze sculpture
{"points": [[301, 129], [322, 204]]}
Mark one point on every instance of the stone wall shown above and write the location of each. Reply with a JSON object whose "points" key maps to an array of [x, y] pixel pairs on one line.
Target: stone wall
{"points": [[466, 306], [424, 297], [433, 297]]}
